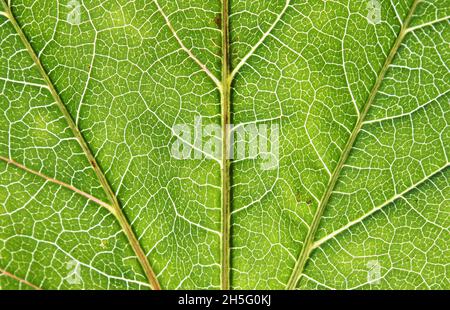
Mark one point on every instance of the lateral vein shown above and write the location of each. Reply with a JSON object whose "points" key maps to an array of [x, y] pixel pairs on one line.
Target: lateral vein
{"points": [[188, 51], [376, 209], [309, 239], [420, 107], [10, 275], [261, 41], [226, 140], [120, 216], [24, 83], [58, 182], [427, 24]]}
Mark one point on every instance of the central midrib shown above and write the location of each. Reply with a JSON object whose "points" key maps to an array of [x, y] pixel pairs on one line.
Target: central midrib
{"points": [[309, 240], [225, 95]]}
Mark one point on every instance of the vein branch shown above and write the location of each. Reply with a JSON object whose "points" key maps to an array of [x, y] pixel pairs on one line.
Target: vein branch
{"points": [[117, 210], [226, 148], [58, 182], [261, 41], [26, 83], [225, 92], [188, 51], [10, 275], [309, 240], [427, 24], [4, 14], [332, 235]]}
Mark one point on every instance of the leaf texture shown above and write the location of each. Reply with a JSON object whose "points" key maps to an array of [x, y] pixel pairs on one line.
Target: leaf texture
{"points": [[88, 181]]}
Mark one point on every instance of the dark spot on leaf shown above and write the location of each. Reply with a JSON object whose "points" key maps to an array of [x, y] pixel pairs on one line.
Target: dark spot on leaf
{"points": [[218, 21]]}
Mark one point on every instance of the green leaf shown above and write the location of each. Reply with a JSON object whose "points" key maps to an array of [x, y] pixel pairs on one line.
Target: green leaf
{"points": [[92, 94]]}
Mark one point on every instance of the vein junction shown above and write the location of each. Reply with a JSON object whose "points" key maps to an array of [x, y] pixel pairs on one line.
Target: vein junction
{"points": [[224, 87]]}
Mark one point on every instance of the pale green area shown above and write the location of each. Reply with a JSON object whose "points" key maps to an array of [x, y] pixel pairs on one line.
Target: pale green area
{"points": [[126, 80]]}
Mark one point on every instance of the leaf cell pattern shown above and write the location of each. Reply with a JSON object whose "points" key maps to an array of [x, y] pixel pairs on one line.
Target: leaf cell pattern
{"points": [[87, 111]]}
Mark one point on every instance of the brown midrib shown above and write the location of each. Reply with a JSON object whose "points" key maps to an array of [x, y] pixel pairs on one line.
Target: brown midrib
{"points": [[225, 165]]}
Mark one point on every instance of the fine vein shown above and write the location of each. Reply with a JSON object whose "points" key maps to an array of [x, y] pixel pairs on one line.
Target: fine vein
{"points": [[184, 48], [8, 274], [117, 210], [55, 181], [309, 240], [332, 235], [431, 23]]}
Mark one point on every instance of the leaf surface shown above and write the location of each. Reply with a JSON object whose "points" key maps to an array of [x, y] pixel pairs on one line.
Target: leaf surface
{"points": [[92, 197]]}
